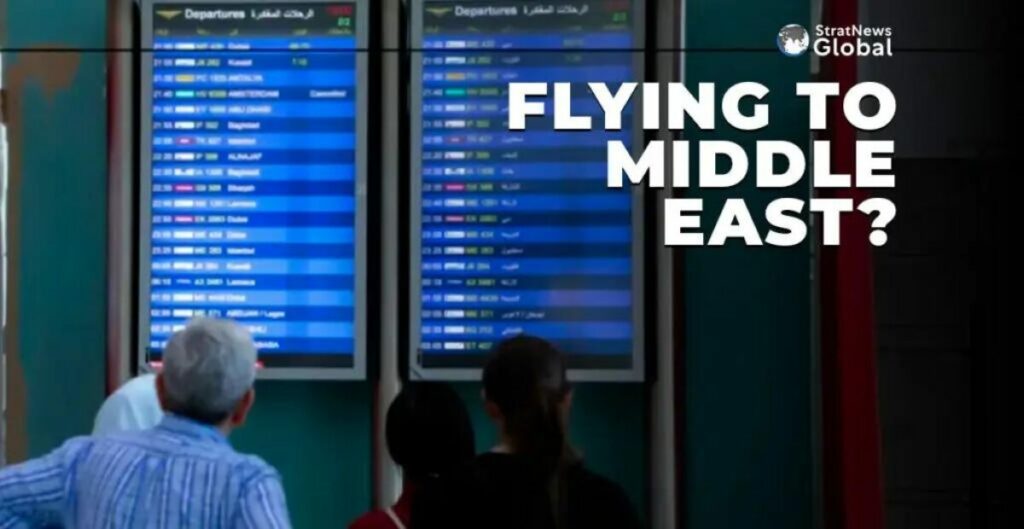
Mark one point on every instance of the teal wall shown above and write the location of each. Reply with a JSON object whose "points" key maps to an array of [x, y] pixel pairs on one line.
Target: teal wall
{"points": [[62, 262], [318, 435], [748, 401]]}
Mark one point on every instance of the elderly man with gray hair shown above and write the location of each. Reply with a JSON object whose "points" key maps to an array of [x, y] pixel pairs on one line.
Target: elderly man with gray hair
{"points": [[182, 473]]}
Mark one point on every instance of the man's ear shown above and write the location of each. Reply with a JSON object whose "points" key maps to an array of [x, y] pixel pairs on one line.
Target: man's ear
{"points": [[241, 411], [161, 391]]}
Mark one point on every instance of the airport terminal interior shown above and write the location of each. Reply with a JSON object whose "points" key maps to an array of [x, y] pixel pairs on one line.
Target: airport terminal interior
{"points": [[341, 178]]}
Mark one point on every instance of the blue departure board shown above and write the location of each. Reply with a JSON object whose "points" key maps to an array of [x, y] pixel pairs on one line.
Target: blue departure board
{"points": [[252, 200], [515, 231]]}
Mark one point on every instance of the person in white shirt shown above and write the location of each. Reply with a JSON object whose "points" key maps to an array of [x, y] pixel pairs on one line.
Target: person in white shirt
{"points": [[134, 406]]}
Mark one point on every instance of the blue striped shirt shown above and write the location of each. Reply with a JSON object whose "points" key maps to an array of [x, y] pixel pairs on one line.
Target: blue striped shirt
{"points": [[179, 474]]}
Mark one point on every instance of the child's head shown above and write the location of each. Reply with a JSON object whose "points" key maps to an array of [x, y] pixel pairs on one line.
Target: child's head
{"points": [[428, 430]]}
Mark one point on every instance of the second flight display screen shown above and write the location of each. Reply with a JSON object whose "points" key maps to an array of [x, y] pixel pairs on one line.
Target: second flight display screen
{"points": [[516, 230]]}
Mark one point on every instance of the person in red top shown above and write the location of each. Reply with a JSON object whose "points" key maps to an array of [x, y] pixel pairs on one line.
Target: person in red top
{"points": [[429, 434]]}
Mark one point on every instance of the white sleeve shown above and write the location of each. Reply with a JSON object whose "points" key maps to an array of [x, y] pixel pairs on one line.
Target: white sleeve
{"points": [[115, 416], [134, 406]]}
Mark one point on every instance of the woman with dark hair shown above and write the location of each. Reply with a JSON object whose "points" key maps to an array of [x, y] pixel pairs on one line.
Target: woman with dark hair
{"points": [[532, 479], [429, 434]]}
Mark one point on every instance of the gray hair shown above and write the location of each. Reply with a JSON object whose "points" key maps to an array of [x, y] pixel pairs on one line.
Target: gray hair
{"points": [[208, 367]]}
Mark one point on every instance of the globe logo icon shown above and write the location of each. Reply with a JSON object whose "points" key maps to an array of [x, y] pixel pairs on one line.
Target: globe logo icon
{"points": [[793, 40]]}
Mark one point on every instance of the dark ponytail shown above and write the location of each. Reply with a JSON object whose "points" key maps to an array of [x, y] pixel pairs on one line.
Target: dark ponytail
{"points": [[526, 379]]}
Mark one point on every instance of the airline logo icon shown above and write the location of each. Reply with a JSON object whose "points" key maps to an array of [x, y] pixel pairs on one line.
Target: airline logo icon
{"points": [[439, 11], [169, 14]]}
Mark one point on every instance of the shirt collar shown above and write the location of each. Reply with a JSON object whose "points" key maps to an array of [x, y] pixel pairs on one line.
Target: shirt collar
{"points": [[179, 425]]}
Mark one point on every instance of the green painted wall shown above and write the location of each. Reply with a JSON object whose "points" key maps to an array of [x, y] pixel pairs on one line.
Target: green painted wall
{"points": [[62, 262], [608, 424], [318, 435], [748, 408]]}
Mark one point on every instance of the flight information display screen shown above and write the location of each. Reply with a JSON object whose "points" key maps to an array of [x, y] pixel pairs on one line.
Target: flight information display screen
{"points": [[252, 201], [515, 231]]}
